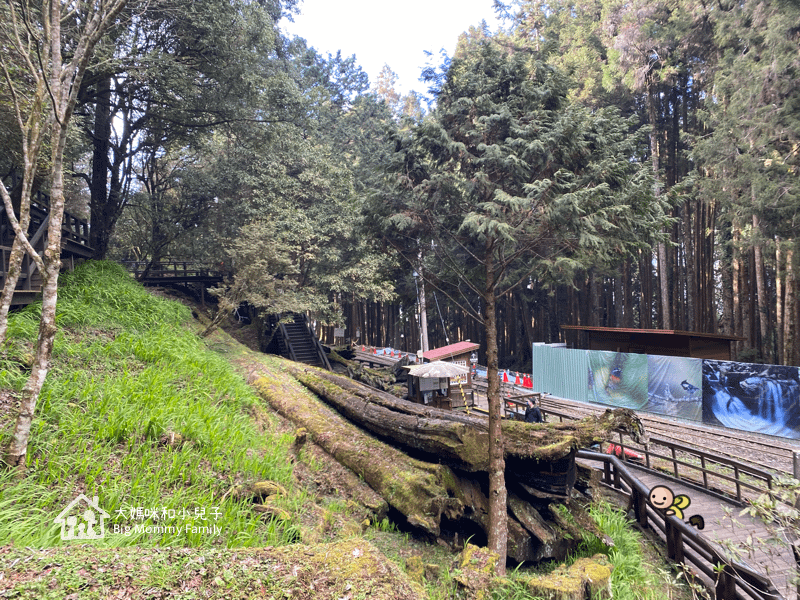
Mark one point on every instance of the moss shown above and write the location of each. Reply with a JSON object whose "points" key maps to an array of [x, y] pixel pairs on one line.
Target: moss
{"points": [[415, 569], [475, 571], [585, 579]]}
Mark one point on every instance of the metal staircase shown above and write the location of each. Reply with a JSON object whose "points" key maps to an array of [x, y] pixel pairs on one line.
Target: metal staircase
{"points": [[299, 343]]}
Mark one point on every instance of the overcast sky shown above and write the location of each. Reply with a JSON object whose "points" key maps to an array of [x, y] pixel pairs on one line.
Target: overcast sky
{"points": [[393, 33]]}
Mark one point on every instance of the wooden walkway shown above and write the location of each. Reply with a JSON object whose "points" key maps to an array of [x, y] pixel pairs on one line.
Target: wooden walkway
{"points": [[733, 534], [732, 554], [172, 272]]}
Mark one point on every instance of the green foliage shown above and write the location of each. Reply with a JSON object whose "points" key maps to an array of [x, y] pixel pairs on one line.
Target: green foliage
{"points": [[101, 293], [630, 580], [510, 180], [127, 379]]}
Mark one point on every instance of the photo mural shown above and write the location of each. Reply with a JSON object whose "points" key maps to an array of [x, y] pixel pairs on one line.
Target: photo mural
{"points": [[618, 379], [744, 396], [675, 387], [752, 397]]}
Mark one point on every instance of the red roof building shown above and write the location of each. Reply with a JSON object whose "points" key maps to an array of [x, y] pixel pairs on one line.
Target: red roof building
{"points": [[457, 352]]}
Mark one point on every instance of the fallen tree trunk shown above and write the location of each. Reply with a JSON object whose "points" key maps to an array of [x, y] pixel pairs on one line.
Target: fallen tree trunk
{"points": [[422, 491], [444, 502], [461, 439]]}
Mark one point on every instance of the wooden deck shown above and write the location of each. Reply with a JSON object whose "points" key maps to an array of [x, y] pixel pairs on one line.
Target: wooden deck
{"points": [[173, 272], [727, 530], [74, 247]]}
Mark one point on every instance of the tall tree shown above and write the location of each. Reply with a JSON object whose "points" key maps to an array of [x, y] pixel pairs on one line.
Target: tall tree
{"points": [[54, 42], [751, 155], [507, 180], [181, 70]]}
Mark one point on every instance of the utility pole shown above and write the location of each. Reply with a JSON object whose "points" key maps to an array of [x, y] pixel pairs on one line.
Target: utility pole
{"points": [[423, 317]]}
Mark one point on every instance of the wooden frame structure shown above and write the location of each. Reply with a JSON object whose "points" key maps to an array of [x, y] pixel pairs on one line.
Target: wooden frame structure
{"points": [[662, 342]]}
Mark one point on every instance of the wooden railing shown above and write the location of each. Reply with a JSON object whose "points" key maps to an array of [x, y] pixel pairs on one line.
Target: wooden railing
{"points": [[739, 477], [73, 229], [732, 580], [173, 269]]}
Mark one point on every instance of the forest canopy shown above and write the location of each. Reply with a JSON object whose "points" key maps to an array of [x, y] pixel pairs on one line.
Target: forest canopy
{"points": [[202, 133]]}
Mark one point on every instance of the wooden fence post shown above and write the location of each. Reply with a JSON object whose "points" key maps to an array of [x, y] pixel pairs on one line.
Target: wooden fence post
{"points": [[725, 588], [674, 541], [639, 506]]}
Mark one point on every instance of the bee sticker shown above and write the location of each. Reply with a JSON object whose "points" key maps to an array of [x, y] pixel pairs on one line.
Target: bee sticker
{"points": [[666, 500]]}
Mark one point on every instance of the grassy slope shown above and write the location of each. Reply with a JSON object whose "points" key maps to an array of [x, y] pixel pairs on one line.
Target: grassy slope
{"points": [[157, 424]]}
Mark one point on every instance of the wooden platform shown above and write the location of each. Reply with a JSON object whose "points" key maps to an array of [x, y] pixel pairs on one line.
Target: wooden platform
{"points": [[74, 247], [172, 272], [726, 528]]}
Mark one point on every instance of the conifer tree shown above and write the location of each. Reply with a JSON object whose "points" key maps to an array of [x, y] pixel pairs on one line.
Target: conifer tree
{"points": [[506, 180]]}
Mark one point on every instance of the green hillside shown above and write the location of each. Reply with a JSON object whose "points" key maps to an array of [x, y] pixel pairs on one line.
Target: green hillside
{"points": [[161, 427]]}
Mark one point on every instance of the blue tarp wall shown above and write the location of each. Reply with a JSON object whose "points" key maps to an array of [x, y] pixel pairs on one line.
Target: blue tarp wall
{"points": [[744, 396]]}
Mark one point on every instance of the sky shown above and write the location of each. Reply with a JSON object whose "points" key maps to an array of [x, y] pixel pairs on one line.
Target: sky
{"points": [[379, 32]]}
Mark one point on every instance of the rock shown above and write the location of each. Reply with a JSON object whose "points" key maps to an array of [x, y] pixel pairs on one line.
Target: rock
{"points": [[172, 439], [586, 579]]}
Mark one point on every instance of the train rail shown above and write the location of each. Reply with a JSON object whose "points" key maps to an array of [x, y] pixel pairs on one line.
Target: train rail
{"points": [[759, 451]]}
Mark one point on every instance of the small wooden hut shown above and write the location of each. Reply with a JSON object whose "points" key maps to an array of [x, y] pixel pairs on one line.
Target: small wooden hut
{"points": [[453, 391]]}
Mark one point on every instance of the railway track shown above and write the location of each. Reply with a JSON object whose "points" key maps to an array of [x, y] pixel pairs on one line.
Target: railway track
{"points": [[772, 454], [765, 452]]}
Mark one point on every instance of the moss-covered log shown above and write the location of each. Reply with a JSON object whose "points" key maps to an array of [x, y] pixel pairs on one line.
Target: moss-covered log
{"points": [[459, 438], [422, 491]]}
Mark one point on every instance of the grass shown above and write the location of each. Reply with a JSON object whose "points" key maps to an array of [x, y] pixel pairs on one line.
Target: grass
{"points": [[631, 578], [128, 378], [126, 374]]}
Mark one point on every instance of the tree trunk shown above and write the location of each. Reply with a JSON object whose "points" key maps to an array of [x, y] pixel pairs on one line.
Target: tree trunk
{"points": [[64, 84], [498, 527], [423, 492], [459, 439], [790, 310], [423, 315], [101, 138], [738, 323], [780, 277], [21, 210], [761, 293]]}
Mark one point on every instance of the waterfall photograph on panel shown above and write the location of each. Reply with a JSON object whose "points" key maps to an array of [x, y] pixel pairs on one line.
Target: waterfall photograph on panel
{"points": [[618, 379], [675, 387], [751, 397]]}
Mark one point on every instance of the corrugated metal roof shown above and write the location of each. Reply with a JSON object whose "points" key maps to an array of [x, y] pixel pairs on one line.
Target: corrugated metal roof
{"points": [[451, 350]]}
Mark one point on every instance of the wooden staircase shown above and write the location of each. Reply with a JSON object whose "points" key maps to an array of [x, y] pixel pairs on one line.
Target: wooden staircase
{"points": [[298, 342], [74, 246]]}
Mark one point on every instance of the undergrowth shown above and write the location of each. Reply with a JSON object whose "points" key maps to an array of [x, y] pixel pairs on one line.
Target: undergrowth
{"points": [[633, 578], [127, 378]]}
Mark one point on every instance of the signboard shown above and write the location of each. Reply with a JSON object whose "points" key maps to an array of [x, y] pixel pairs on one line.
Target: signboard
{"points": [[428, 384], [338, 332], [459, 379]]}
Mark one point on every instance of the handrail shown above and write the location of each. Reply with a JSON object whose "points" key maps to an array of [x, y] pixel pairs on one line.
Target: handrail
{"points": [[287, 340], [738, 468], [317, 344], [73, 229], [732, 578], [175, 268]]}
